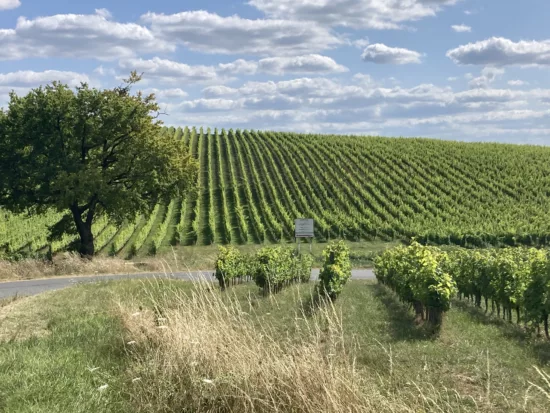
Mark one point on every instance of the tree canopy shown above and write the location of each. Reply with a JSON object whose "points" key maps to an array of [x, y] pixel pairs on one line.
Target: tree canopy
{"points": [[88, 152]]}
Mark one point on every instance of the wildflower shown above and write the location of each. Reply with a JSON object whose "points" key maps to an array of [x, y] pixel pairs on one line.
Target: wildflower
{"points": [[136, 314], [207, 381], [93, 369], [130, 343], [103, 388]]}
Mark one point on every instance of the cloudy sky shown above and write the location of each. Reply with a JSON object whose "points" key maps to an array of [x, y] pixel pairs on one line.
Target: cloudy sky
{"points": [[475, 70]]}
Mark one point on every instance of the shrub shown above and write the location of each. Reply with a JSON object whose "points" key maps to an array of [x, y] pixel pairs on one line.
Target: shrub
{"points": [[274, 268], [232, 266], [271, 268], [336, 269], [419, 275]]}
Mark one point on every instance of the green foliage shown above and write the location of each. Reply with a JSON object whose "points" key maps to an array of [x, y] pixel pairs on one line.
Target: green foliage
{"points": [[232, 266], [162, 230], [88, 152], [145, 230], [419, 275], [336, 269], [275, 268], [274, 265], [512, 279], [123, 236], [271, 267]]}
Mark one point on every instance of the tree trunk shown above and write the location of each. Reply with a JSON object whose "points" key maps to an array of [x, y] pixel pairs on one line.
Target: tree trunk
{"points": [[435, 317], [84, 228], [419, 312], [486, 305], [518, 315], [546, 326], [87, 247]]}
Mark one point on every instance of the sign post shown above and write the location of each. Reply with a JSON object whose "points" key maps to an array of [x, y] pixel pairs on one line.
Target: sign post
{"points": [[304, 228]]}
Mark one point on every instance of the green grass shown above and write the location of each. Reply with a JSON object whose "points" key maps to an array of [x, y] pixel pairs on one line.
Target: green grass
{"points": [[48, 344]]}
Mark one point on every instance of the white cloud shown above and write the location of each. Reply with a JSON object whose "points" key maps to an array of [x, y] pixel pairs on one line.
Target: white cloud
{"points": [[282, 65], [488, 76], [359, 14], [168, 71], [104, 13], [361, 43], [238, 67], [360, 104], [31, 79], [382, 54], [216, 91], [78, 36], [308, 64], [517, 83], [499, 51], [102, 71], [9, 4], [461, 28], [206, 105], [364, 79], [211, 33], [452, 79], [174, 93]]}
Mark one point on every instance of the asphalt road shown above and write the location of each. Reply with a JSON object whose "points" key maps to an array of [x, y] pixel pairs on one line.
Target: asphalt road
{"points": [[32, 287]]}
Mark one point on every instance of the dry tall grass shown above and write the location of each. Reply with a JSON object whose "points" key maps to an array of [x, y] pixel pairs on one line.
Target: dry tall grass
{"points": [[203, 353], [70, 264]]}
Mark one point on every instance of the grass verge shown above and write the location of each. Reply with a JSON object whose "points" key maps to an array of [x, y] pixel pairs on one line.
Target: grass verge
{"points": [[171, 259], [245, 352]]}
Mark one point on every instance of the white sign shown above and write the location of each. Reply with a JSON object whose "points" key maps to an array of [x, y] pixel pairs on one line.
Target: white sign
{"points": [[304, 228]]}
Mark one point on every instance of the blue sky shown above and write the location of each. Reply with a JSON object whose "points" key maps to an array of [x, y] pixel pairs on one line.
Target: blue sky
{"points": [[453, 69]]}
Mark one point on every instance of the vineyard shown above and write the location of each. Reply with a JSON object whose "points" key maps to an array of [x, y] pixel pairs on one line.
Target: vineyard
{"points": [[252, 185], [516, 281]]}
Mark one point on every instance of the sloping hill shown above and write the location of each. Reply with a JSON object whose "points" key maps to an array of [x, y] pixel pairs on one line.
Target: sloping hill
{"points": [[252, 185]]}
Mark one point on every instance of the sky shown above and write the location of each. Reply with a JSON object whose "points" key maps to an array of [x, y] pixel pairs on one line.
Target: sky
{"points": [[467, 70]]}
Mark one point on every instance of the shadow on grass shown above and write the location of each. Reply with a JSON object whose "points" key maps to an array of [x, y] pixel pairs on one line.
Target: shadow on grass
{"points": [[539, 346], [402, 326]]}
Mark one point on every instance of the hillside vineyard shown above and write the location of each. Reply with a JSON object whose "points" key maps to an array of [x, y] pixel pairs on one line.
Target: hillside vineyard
{"points": [[252, 185]]}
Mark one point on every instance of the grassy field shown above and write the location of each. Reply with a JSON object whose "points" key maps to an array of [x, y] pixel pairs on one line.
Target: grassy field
{"points": [[68, 350]]}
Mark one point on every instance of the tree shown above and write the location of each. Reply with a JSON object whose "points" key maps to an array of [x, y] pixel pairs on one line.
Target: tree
{"points": [[88, 152]]}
